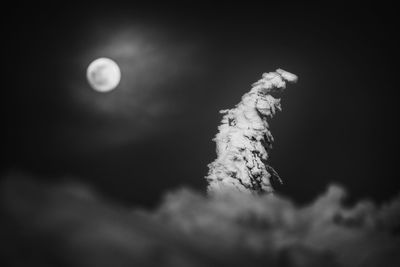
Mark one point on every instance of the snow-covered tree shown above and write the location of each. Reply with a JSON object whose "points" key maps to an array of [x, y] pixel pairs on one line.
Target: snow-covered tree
{"points": [[244, 138]]}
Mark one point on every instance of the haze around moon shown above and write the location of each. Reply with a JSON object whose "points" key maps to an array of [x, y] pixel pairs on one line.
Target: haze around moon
{"points": [[103, 75]]}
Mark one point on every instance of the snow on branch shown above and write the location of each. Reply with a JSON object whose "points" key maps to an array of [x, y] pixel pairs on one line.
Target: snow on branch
{"points": [[244, 138]]}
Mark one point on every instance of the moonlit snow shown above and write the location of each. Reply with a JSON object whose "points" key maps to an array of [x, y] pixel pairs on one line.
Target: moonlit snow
{"points": [[244, 137]]}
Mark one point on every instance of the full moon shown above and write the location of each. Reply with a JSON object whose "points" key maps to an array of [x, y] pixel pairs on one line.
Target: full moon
{"points": [[103, 74]]}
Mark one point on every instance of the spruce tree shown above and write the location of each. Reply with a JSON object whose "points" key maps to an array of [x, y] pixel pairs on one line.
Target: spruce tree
{"points": [[244, 139]]}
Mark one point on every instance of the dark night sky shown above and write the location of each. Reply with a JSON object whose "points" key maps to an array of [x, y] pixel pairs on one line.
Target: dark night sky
{"points": [[153, 135]]}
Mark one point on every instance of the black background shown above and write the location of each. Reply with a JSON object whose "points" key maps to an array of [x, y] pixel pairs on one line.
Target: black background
{"points": [[338, 125]]}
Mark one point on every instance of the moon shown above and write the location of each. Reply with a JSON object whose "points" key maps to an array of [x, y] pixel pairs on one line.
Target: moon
{"points": [[103, 74]]}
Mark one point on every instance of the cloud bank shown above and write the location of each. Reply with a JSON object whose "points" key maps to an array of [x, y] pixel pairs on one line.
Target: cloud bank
{"points": [[70, 225]]}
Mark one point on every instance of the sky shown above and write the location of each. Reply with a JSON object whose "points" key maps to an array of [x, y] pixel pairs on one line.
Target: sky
{"points": [[182, 64]]}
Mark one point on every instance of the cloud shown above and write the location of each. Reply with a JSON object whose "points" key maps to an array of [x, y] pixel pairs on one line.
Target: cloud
{"points": [[70, 225]]}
